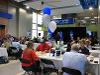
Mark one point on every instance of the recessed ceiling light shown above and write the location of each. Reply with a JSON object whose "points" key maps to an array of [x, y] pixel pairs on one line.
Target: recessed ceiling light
{"points": [[95, 17], [27, 7], [99, 7], [90, 8], [86, 17], [76, 4]]}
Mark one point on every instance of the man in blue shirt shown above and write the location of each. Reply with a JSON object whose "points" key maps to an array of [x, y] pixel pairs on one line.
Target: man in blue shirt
{"points": [[16, 45], [75, 60]]}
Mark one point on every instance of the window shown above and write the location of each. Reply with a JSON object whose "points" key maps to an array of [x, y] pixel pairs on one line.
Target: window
{"points": [[34, 33], [34, 17], [39, 28], [39, 19], [34, 26]]}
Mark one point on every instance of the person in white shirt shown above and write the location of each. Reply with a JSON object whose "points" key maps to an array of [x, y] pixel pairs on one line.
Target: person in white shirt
{"points": [[74, 60]]}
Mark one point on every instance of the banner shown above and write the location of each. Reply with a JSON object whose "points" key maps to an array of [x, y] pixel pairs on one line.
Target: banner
{"points": [[64, 21], [6, 15]]}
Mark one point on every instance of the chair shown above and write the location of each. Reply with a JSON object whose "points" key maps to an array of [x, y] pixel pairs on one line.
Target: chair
{"points": [[47, 69], [71, 71], [29, 69], [12, 51]]}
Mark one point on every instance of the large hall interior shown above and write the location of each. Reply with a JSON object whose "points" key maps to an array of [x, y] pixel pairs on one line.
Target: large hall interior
{"points": [[49, 37]]}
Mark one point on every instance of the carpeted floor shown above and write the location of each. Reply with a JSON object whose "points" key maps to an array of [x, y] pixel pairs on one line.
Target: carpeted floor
{"points": [[13, 68]]}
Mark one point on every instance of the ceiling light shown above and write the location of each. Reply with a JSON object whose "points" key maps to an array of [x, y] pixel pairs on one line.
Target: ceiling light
{"points": [[27, 7], [86, 17], [90, 8], [99, 7], [76, 4], [95, 17]]}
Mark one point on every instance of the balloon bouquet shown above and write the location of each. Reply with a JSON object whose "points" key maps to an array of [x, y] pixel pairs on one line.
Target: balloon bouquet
{"points": [[50, 25]]}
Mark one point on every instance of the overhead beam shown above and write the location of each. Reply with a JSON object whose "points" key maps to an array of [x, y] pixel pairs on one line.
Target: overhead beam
{"points": [[66, 7], [28, 1], [21, 5]]}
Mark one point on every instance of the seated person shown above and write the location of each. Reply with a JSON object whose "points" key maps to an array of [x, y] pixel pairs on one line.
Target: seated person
{"points": [[83, 49], [68, 47], [87, 44], [6, 43], [43, 46], [18, 50], [16, 44], [53, 43], [75, 60], [29, 54]]}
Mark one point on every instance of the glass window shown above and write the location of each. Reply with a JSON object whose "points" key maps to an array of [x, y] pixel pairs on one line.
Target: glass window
{"points": [[34, 17], [34, 33], [39, 28], [34, 26], [39, 19]]}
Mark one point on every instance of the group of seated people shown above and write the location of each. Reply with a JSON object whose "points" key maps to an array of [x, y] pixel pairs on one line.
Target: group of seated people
{"points": [[74, 57], [83, 44], [46, 46], [77, 61]]}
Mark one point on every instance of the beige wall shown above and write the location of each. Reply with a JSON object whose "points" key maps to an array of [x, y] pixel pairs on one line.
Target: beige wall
{"points": [[25, 22], [11, 27], [18, 26]]}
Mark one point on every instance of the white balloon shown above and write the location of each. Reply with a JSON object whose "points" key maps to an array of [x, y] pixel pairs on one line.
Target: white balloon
{"points": [[52, 26], [46, 19]]}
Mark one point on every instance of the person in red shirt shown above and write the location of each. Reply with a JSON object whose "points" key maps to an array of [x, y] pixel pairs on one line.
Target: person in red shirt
{"points": [[43, 47], [29, 55]]}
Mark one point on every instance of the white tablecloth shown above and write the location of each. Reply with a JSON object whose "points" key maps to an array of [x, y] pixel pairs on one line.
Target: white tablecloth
{"points": [[35, 45], [96, 47], [24, 46], [3, 52], [95, 53], [58, 61]]}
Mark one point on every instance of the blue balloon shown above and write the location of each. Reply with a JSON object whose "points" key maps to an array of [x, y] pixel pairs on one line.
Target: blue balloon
{"points": [[46, 10]]}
